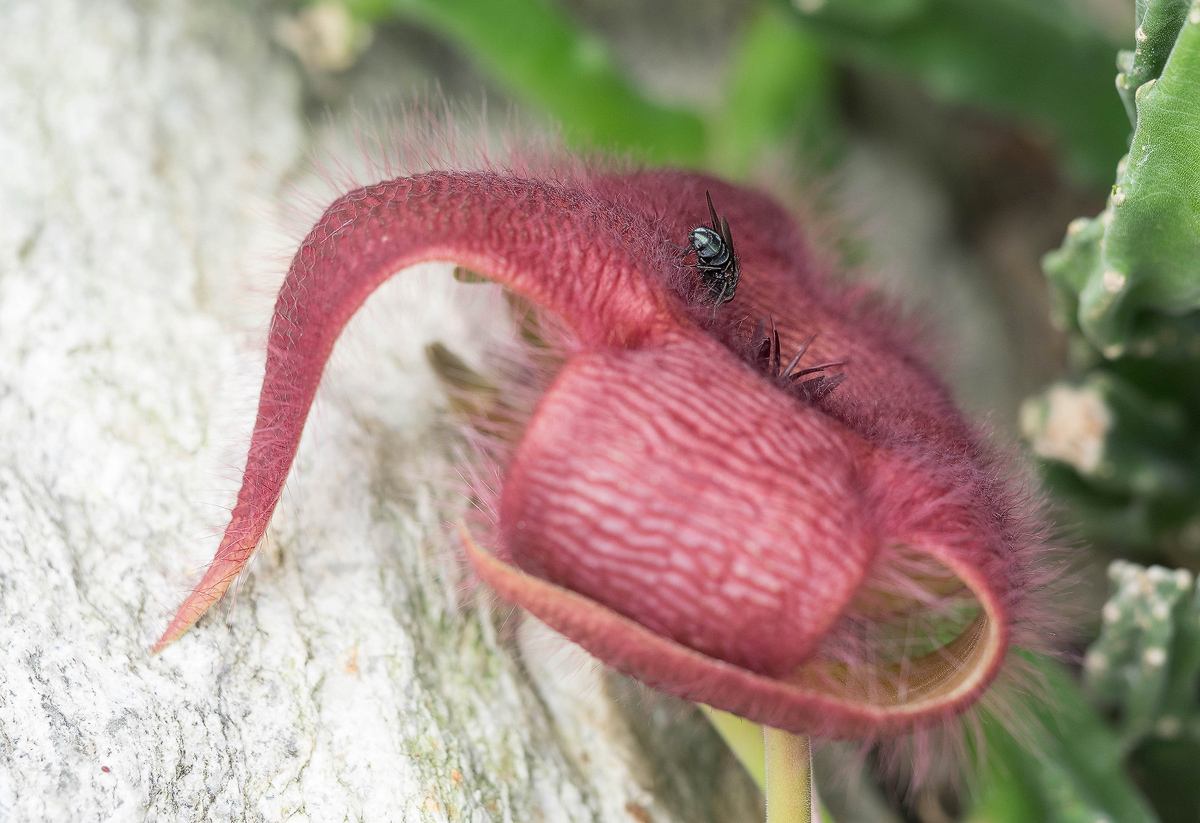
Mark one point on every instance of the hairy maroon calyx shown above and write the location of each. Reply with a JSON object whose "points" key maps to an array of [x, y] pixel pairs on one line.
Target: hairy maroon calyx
{"points": [[713, 522]]}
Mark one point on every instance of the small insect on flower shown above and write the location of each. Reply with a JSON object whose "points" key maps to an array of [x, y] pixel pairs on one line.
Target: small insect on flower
{"points": [[716, 260]]}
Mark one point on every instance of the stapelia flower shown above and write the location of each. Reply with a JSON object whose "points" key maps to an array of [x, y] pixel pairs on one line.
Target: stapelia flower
{"points": [[838, 563]]}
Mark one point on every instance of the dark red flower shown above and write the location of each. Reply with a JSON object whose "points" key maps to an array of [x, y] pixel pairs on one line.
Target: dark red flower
{"points": [[839, 563]]}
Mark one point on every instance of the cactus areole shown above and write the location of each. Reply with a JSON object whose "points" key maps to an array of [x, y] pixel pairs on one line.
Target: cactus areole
{"points": [[839, 563]]}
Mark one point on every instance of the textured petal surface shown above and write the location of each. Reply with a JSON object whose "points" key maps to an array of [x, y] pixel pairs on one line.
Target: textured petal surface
{"points": [[674, 486]]}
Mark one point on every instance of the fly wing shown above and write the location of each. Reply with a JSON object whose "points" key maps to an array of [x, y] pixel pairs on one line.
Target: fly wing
{"points": [[727, 237], [712, 212]]}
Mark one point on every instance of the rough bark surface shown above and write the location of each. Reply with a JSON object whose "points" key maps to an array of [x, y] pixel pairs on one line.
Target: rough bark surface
{"points": [[356, 676]]}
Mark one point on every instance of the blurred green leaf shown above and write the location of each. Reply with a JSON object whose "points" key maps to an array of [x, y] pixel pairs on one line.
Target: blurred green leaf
{"points": [[533, 49], [1032, 59], [779, 93], [780, 87], [1166, 769], [1063, 766], [877, 15]]}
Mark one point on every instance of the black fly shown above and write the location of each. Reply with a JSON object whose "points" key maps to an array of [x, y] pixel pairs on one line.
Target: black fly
{"points": [[716, 260], [767, 357]]}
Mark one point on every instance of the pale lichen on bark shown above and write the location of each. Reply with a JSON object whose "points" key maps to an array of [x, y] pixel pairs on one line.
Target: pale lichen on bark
{"points": [[142, 147]]}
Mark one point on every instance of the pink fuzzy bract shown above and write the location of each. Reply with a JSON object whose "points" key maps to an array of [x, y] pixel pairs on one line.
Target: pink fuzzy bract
{"points": [[669, 506]]}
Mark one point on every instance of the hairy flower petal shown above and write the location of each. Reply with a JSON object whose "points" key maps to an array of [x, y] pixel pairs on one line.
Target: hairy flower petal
{"points": [[846, 565]]}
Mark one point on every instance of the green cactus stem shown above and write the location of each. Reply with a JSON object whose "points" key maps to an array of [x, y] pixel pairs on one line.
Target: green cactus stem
{"points": [[1146, 660], [1143, 253], [1115, 437], [1119, 445], [1158, 24]]}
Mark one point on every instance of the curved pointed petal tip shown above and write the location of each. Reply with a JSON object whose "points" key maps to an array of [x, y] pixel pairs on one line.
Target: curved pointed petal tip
{"points": [[209, 590]]}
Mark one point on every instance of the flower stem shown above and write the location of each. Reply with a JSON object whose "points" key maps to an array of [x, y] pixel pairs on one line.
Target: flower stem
{"points": [[757, 747], [789, 777]]}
